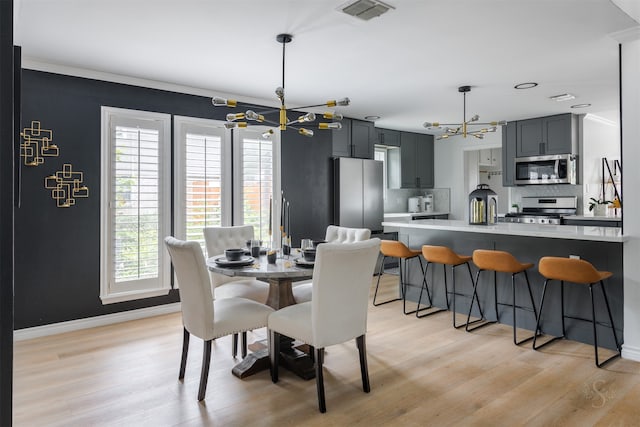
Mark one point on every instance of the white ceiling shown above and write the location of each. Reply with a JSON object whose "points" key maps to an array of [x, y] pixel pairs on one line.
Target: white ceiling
{"points": [[404, 66]]}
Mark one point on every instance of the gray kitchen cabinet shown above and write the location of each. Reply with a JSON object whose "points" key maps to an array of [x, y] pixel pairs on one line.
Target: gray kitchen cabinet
{"points": [[509, 154], [546, 135], [355, 139], [388, 137], [416, 160]]}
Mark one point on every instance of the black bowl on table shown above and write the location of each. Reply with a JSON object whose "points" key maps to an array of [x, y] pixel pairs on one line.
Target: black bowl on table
{"points": [[233, 254], [317, 242], [309, 255]]}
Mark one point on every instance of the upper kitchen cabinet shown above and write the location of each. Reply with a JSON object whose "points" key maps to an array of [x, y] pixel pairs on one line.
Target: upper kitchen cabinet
{"points": [[355, 139], [416, 160], [546, 135], [490, 157], [388, 137]]}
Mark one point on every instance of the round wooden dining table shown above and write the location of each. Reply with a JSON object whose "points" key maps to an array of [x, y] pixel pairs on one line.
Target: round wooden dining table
{"points": [[280, 277]]}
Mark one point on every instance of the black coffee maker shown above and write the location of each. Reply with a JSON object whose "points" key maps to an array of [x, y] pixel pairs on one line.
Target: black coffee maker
{"points": [[483, 206]]}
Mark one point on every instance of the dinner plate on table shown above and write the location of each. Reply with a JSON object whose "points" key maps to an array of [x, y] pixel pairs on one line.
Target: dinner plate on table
{"points": [[301, 262], [222, 261]]}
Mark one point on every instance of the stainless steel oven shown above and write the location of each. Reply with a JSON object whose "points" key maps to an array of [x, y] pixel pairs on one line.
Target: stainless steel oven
{"points": [[552, 169]]}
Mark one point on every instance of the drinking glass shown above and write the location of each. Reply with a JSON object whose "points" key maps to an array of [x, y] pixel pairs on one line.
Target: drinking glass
{"points": [[306, 244], [255, 248]]}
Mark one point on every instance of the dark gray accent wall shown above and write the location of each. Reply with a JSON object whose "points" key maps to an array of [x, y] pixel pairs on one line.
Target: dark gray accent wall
{"points": [[58, 250], [7, 110]]}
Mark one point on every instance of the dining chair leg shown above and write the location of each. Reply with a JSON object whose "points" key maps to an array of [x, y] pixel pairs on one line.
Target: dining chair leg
{"points": [[185, 350], [234, 345], [274, 354], [244, 344], [204, 375], [320, 379], [364, 369], [312, 353]]}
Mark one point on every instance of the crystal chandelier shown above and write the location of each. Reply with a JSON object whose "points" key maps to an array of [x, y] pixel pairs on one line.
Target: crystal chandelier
{"points": [[464, 128], [242, 120]]}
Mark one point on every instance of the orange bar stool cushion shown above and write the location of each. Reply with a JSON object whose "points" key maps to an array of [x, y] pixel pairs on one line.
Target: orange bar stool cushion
{"points": [[571, 270], [392, 248], [443, 255], [499, 261]]}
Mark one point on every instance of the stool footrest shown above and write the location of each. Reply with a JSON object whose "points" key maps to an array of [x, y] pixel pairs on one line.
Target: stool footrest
{"points": [[529, 309]]}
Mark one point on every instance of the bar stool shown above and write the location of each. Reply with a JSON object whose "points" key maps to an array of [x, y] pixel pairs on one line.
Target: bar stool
{"points": [[502, 262], [581, 272], [445, 256], [394, 249]]}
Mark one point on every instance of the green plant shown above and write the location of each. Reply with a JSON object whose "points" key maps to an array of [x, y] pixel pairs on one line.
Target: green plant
{"points": [[595, 202]]}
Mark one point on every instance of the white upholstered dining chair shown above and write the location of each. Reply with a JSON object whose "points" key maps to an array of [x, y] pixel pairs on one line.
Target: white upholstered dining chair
{"points": [[334, 234], [203, 316], [217, 239], [338, 311]]}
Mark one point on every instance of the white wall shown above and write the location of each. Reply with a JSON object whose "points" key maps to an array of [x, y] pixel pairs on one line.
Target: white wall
{"points": [[631, 197], [449, 167], [601, 138]]}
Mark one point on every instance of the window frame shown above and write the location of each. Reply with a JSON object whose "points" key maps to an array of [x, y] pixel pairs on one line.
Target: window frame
{"points": [[238, 182], [110, 292], [182, 125]]}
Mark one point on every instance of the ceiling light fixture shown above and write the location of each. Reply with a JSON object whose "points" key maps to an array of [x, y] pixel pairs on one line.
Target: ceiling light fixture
{"points": [[463, 128], [527, 85], [581, 106], [562, 97], [242, 120]]}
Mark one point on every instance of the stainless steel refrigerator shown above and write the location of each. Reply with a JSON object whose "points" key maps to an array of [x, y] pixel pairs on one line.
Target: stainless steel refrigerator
{"points": [[358, 193]]}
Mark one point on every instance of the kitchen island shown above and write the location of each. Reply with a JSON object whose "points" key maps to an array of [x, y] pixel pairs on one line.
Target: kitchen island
{"points": [[602, 246]]}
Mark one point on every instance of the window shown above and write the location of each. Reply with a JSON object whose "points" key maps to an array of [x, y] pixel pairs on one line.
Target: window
{"points": [[135, 211], [380, 153], [257, 179], [202, 175]]}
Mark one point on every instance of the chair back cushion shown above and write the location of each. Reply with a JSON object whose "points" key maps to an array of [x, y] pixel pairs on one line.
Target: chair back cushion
{"points": [[342, 277], [218, 239], [337, 234], [195, 290]]}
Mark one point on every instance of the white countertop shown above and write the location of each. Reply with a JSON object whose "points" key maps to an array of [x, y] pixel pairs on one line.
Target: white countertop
{"points": [[575, 232], [413, 214], [593, 218]]}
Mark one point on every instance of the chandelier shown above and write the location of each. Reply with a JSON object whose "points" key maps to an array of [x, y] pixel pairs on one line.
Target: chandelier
{"points": [[463, 128], [242, 120]]}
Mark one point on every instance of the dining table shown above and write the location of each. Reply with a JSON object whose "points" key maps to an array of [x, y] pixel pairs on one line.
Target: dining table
{"points": [[280, 276]]}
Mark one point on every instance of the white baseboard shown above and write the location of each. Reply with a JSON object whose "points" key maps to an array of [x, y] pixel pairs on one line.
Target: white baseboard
{"points": [[92, 322], [631, 353]]}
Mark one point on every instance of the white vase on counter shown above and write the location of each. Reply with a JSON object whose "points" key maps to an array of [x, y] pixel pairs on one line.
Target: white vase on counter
{"points": [[600, 210]]}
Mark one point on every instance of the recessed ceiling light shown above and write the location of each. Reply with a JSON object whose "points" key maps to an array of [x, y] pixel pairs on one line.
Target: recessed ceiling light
{"points": [[562, 97], [581, 106], [372, 118], [528, 85]]}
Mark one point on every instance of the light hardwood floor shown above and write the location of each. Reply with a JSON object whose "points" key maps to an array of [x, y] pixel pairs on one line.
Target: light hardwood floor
{"points": [[423, 372]]}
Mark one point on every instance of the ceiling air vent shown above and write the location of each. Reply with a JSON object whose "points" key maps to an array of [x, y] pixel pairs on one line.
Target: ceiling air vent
{"points": [[365, 9]]}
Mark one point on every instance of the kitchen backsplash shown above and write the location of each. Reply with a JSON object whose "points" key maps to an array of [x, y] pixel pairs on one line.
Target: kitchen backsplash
{"points": [[517, 193], [396, 200]]}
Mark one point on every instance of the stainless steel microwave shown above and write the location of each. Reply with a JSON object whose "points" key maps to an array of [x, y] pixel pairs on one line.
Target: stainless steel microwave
{"points": [[552, 169]]}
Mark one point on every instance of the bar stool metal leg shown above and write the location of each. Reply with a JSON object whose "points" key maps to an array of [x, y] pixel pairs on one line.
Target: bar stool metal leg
{"points": [[404, 286], [533, 308], [595, 323], [475, 296], [538, 331], [375, 294], [454, 293], [425, 285]]}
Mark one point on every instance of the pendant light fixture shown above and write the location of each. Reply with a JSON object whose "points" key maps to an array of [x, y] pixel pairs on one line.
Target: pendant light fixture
{"points": [[242, 120], [463, 129]]}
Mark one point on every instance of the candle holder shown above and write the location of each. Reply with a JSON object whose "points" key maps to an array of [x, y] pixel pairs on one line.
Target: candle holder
{"points": [[286, 245]]}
